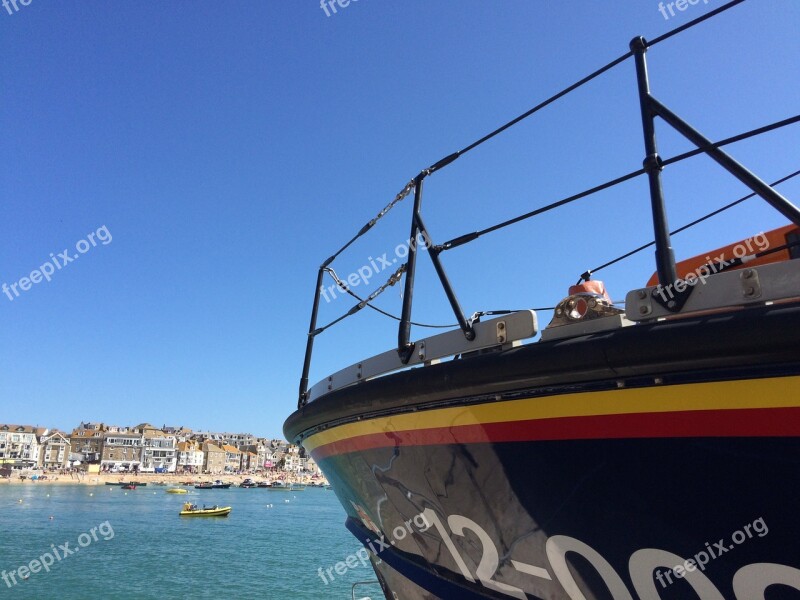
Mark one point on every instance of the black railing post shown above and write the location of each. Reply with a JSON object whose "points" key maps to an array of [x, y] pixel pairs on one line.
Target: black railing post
{"points": [[665, 257], [404, 345], [434, 251], [303, 398]]}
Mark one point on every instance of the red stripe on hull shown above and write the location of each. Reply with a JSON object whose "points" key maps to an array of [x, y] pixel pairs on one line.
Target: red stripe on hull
{"points": [[771, 422]]}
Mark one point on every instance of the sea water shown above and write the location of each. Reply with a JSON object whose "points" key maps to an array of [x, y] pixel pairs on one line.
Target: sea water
{"points": [[132, 544]]}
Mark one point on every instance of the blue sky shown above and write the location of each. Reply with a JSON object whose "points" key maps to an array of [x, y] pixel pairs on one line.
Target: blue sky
{"points": [[229, 148]]}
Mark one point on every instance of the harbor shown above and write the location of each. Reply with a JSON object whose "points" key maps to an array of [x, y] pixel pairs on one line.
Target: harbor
{"points": [[419, 300], [252, 552]]}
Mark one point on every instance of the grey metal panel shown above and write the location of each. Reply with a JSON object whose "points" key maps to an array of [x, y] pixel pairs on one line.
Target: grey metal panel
{"points": [[501, 331], [754, 285]]}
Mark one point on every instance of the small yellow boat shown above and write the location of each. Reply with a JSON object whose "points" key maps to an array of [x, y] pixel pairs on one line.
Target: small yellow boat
{"points": [[191, 510], [177, 491]]}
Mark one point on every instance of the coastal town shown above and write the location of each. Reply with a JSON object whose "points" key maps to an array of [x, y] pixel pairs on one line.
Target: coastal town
{"points": [[34, 453]]}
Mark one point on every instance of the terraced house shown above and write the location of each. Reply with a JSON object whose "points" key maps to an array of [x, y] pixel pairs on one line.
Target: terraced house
{"points": [[233, 458], [86, 444], [214, 458], [159, 449], [256, 456], [190, 457], [122, 450], [54, 450]]}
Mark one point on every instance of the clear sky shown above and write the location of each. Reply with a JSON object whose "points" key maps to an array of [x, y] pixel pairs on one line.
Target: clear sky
{"points": [[219, 152]]}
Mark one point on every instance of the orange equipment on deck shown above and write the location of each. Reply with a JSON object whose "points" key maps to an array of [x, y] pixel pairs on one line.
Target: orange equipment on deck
{"points": [[762, 242]]}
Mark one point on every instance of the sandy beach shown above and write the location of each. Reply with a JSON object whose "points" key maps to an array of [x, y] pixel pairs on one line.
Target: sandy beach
{"points": [[149, 478]]}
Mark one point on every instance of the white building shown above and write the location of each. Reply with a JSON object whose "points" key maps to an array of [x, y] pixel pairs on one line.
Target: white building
{"points": [[293, 462], [159, 452], [19, 446]]}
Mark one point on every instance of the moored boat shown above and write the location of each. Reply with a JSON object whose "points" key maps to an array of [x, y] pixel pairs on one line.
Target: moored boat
{"points": [[279, 486], [601, 460], [176, 491], [216, 485], [191, 510]]}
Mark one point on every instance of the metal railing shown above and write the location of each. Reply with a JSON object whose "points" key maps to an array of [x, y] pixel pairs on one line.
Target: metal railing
{"points": [[653, 164]]}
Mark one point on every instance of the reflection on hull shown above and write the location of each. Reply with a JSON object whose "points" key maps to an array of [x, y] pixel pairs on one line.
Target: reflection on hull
{"points": [[576, 496]]}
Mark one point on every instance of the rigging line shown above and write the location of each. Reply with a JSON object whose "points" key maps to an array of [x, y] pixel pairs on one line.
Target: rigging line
{"points": [[319, 330], [684, 227], [731, 140], [491, 313], [449, 159], [367, 302], [772, 251], [396, 318], [401, 195], [469, 237], [691, 24], [362, 302], [473, 236], [343, 286], [535, 109]]}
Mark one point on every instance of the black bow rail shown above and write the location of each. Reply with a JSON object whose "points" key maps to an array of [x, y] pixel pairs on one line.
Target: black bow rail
{"points": [[652, 166]]}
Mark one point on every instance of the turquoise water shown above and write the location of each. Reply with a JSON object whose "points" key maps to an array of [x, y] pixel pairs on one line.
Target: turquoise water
{"points": [[145, 550]]}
